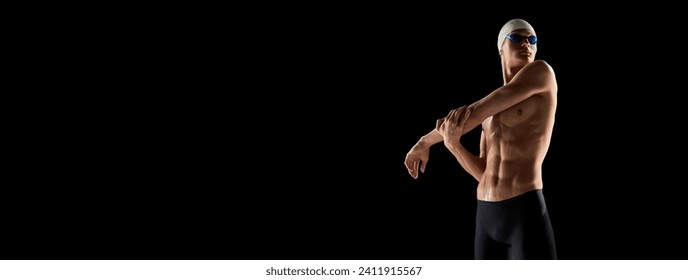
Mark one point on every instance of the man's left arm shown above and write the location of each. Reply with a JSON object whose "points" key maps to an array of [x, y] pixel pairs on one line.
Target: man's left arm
{"points": [[535, 78]]}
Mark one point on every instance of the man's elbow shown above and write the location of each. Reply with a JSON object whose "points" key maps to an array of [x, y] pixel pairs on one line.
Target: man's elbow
{"points": [[477, 176]]}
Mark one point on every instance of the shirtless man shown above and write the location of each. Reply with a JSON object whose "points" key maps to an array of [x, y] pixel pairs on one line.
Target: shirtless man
{"points": [[517, 121]]}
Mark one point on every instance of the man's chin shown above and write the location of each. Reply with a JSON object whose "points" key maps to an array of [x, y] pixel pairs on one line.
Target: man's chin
{"points": [[526, 58]]}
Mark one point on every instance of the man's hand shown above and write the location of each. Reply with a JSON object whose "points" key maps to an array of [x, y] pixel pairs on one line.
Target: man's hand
{"points": [[418, 155], [451, 126]]}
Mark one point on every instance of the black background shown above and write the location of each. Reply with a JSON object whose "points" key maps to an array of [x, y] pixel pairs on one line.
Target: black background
{"points": [[204, 132]]}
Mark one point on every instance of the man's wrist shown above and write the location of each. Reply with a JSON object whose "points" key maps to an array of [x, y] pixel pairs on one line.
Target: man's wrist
{"points": [[431, 138], [451, 145], [425, 141]]}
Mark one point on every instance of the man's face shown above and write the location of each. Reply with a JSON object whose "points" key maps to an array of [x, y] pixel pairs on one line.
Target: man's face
{"points": [[518, 45]]}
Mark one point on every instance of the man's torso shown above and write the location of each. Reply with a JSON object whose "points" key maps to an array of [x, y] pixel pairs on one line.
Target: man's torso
{"points": [[516, 141]]}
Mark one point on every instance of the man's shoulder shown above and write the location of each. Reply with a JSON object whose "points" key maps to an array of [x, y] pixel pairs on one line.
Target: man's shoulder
{"points": [[539, 73], [541, 65], [539, 69]]}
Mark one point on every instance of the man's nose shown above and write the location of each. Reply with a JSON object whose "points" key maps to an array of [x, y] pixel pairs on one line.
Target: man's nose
{"points": [[525, 42]]}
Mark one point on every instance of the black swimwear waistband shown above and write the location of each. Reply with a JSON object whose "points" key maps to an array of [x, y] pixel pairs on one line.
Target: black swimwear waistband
{"points": [[526, 200], [523, 196]]}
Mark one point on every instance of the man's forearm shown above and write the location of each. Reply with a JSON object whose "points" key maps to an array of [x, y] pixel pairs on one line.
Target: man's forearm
{"points": [[433, 137], [472, 164], [474, 119]]}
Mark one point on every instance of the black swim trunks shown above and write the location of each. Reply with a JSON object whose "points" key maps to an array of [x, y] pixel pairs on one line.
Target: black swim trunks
{"points": [[515, 228]]}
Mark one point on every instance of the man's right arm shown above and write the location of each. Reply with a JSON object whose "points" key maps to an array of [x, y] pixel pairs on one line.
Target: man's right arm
{"points": [[535, 78]]}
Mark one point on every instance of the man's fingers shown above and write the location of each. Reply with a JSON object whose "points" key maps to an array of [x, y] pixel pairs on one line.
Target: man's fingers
{"points": [[422, 166], [461, 116], [466, 114], [438, 124], [454, 115], [410, 166], [450, 113]]}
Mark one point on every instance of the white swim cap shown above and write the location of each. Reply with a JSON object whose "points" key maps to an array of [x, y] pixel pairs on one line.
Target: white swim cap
{"points": [[509, 27]]}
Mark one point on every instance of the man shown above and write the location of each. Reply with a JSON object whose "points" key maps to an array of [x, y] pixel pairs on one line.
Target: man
{"points": [[517, 120]]}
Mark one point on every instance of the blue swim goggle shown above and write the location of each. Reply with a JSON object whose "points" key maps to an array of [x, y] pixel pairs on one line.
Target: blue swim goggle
{"points": [[517, 38]]}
